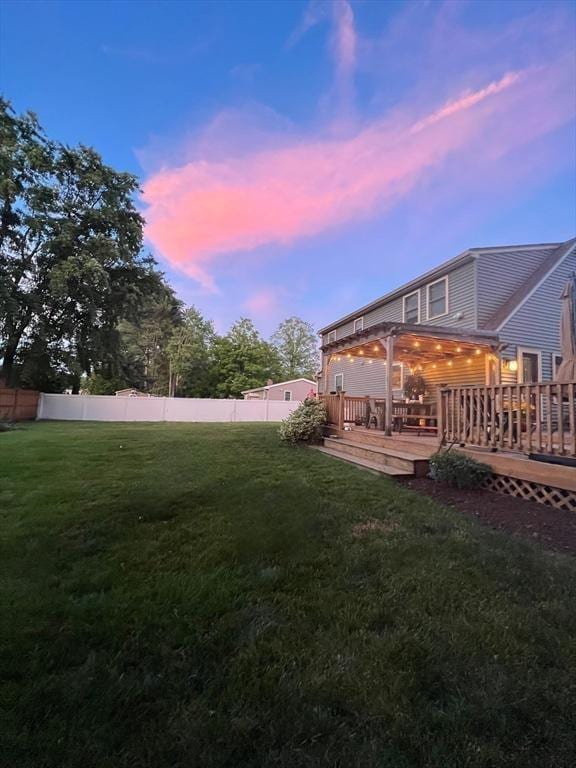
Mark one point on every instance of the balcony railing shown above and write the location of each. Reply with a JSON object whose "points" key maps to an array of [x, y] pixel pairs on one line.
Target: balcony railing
{"points": [[532, 418]]}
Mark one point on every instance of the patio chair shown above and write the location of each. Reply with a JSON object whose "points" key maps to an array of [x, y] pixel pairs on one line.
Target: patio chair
{"points": [[374, 414]]}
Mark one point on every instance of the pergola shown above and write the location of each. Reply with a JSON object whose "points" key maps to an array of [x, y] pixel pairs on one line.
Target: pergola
{"points": [[412, 344]]}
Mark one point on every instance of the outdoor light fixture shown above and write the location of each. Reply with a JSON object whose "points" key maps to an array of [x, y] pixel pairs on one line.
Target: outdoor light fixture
{"points": [[513, 365]]}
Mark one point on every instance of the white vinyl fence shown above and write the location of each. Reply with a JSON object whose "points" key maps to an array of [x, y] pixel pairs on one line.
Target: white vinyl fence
{"points": [[111, 408]]}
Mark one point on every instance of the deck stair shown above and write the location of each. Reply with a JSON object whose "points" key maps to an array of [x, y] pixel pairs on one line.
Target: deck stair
{"points": [[392, 457]]}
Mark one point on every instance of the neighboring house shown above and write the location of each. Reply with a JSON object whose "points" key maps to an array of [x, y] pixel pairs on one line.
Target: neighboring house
{"points": [[488, 316], [130, 392], [297, 389]]}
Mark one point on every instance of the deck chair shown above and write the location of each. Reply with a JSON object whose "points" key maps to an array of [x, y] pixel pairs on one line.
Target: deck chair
{"points": [[374, 414]]}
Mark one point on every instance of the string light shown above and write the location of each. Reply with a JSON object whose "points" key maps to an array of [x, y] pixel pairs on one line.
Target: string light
{"points": [[449, 362], [375, 347], [416, 344], [438, 346], [361, 352], [478, 351], [469, 360], [458, 349], [434, 365]]}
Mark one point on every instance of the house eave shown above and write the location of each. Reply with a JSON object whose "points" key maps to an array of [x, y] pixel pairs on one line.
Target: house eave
{"points": [[381, 330]]}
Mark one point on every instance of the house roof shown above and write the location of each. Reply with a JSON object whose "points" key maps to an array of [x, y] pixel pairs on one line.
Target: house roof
{"points": [[527, 288], [469, 255], [415, 331], [277, 384]]}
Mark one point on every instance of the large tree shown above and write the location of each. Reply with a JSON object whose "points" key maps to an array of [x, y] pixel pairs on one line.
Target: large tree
{"points": [[71, 264], [244, 360], [297, 347], [145, 342], [191, 356]]}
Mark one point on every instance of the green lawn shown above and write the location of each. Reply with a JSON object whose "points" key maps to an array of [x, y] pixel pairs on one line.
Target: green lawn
{"points": [[200, 595]]}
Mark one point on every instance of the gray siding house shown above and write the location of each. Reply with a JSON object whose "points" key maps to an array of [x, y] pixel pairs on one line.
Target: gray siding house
{"points": [[507, 298]]}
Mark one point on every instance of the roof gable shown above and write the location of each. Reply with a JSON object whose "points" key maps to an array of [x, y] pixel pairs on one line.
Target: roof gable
{"points": [[526, 289]]}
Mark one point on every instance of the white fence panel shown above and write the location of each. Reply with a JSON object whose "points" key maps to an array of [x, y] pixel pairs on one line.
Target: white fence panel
{"points": [[111, 408]]}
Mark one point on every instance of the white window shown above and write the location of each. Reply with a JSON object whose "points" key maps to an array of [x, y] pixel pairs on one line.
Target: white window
{"points": [[358, 324], [331, 337], [437, 298], [556, 363], [412, 307], [529, 365], [287, 394], [339, 382]]}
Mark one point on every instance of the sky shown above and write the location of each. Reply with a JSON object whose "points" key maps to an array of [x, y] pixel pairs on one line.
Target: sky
{"points": [[304, 158]]}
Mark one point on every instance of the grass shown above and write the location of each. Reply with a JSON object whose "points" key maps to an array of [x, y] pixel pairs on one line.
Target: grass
{"points": [[203, 596]]}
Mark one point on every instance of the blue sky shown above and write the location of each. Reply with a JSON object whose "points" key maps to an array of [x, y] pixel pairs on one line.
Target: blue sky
{"points": [[304, 158]]}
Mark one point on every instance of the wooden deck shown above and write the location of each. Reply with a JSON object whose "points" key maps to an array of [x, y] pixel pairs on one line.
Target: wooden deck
{"points": [[406, 455]]}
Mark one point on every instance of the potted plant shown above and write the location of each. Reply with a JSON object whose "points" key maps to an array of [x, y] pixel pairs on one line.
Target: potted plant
{"points": [[414, 387]]}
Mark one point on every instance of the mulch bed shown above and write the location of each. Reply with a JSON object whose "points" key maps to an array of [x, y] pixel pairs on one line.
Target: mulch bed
{"points": [[550, 527]]}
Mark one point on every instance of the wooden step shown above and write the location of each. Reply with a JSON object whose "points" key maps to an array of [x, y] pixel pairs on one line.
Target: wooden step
{"points": [[380, 469], [388, 456], [420, 446]]}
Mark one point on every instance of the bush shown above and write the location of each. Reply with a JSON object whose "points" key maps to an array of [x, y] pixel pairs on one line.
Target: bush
{"points": [[458, 470], [6, 426], [304, 425]]}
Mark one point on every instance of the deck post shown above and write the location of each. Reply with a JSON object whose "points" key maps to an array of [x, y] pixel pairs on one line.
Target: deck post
{"points": [[440, 412], [340, 410], [389, 417]]}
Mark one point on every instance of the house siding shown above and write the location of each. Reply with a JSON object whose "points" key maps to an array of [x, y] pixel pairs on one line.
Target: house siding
{"points": [[299, 389], [500, 273], [361, 377], [461, 305], [537, 323]]}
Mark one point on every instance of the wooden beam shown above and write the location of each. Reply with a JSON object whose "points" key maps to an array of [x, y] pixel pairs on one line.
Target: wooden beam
{"points": [[389, 391]]}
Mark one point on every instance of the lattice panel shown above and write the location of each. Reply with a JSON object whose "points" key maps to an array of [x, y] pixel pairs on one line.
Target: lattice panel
{"points": [[524, 489]]}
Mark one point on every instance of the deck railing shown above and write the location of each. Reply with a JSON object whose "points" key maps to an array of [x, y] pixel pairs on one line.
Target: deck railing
{"points": [[533, 418], [345, 409]]}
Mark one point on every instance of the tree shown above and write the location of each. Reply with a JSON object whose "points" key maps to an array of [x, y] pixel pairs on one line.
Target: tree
{"points": [[71, 266], [243, 360], [297, 348], [191, 356], [144, 343]]}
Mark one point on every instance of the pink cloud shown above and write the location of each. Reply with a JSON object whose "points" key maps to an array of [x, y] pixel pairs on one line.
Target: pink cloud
{"points": [[263, 302], [200, 213]]}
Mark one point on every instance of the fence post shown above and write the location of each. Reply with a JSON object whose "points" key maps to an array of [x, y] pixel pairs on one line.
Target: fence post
{"points": [[15, 405], [340, 410], [267, 410]]}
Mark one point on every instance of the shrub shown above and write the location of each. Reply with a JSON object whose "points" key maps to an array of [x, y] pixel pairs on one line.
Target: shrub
{"points": [[458, 470], [304, 425], [6, 426]]}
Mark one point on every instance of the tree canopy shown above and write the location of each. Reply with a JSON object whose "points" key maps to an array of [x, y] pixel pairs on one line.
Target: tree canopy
{"points": [[71, 260], [297, 348]]}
